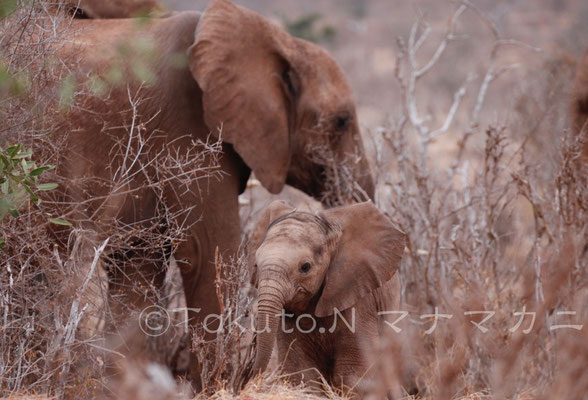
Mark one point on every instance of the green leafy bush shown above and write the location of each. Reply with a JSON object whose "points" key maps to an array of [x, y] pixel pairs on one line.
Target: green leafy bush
{"points": [[19, 176]]}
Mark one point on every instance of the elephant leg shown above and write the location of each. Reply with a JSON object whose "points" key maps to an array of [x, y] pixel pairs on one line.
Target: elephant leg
{"points": [[297, 360], [196, 260], [198, 280], [215, 230], [350, 375]]}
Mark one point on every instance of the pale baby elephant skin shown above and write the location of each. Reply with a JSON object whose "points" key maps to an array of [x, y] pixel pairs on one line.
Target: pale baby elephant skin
{"points": [[314, 271]]}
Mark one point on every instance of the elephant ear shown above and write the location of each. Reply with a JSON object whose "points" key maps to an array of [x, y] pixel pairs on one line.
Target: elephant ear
{"points": [[367, 256], [239, 60], [276, 209]]}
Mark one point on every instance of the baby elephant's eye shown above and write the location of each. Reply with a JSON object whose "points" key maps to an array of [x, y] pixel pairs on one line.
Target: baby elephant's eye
{"points": [[305, 267]]}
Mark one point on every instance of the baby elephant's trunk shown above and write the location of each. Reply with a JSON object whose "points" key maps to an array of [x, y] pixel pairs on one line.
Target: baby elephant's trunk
{"points": [[269, 309]]}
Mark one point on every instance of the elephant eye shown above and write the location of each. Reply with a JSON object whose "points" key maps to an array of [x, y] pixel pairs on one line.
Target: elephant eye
{"points": [[305, 267], [342, 122], [291, 82]]}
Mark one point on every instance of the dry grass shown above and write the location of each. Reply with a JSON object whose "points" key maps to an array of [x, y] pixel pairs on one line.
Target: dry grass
{"points": [[495, 214]]}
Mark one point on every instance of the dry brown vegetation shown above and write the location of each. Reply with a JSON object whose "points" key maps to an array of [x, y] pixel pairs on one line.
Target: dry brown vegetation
{"points": [[486, 181]]}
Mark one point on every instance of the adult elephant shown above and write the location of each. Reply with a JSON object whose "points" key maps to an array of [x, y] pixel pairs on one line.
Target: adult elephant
{"points": [[283, 106]]}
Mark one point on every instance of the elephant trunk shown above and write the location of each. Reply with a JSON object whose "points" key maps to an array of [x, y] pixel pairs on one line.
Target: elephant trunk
{"points": [[360, 166], [269, 310], [363, 174], [366, 181]]}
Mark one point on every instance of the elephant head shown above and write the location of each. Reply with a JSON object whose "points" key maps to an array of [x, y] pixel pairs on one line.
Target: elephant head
{"points": [[316, 263], [283, 103]]}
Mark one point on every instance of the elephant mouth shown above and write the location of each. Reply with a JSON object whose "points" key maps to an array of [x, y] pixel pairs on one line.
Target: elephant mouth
{"points": [[310, 180], [299, 301], [332, 182]]}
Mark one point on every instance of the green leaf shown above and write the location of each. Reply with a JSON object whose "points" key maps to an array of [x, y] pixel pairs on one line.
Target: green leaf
{"points": [[7, 7], [30, 192], [67, 92], [2, 243], [12, 150], [20, 156], [38, 171], [5, 207], [12, 84], [143, 73], [16, 178], [114, 75], [59, 221], [14, 213], [4, 161], [24, 164], [47, 186], [97, 85]]}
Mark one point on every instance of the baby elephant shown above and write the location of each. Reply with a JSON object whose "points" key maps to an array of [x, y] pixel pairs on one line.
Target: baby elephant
{"points": [[322, 279]]}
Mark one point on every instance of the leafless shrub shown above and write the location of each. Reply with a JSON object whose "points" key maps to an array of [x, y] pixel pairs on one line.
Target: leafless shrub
{"points": [[35, 320], [488, 231], [53, 290], [226, 357], [340, 186]]}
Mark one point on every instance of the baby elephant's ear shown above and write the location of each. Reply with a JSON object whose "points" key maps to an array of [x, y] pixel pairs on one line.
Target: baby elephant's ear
{"points": [[367, 256], [276, 209]]}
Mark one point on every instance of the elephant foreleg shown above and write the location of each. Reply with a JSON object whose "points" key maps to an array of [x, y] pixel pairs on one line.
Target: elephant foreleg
{"points": [[198, 275], [298, 362]]}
